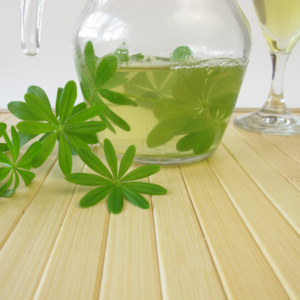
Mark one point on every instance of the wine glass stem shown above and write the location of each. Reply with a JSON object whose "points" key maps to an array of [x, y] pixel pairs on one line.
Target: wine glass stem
{"points": [[276, 103]]}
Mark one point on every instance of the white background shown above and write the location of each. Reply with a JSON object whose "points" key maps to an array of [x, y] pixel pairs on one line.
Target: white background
{"points": [[53, 66]]}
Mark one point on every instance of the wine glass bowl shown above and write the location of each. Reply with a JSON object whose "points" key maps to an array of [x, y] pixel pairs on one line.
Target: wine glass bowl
{"points": [[280, 24]]}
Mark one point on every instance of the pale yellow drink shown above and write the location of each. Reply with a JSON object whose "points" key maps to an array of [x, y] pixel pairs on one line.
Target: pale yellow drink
{"points": [[280, 22]]}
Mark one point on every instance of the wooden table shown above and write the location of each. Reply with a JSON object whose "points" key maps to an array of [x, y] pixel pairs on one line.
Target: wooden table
{"points": [[228, 229]]}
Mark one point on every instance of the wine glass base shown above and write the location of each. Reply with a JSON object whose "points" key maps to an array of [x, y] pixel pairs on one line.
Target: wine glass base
{"points": [[272, 124]]}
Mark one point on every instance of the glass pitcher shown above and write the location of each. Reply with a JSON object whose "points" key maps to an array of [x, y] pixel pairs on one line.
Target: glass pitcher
{"points": [[167, 73]]}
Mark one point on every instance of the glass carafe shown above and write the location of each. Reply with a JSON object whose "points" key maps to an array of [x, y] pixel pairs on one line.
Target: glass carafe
{"points": [[167, 73]]}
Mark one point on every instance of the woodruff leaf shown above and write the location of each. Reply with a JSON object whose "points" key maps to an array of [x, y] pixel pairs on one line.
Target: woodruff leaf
{"points": [[67, 100], [115, 201], [46, 149], [134, 197], [141, 172], [22, 111], [92, 161], [64, 155], [146, 188], [111, 157], [40, 93], [87, 179], [84, 115], [40, 108], [126, 161], [34, 127], [95, 196]]}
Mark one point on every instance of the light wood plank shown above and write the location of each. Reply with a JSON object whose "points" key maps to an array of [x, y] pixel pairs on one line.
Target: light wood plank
{"points": [[278, 241], [131, 262], [75, 267], [13, 208], [283, 195], [186, 267], [4, 117], [24, 256], [11, 120], [243, 269], [281, 161], [285, 144]]}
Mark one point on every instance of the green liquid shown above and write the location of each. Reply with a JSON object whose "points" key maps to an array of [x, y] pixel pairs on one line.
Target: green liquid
{"points": [[182, 109]]}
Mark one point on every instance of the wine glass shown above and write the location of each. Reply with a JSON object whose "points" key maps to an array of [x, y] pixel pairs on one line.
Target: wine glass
{"points": [[280, 23]]}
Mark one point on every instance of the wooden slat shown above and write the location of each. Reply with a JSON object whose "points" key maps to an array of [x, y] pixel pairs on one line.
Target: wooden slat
{"points": [[278, 241], [242, 267], [281, 161], [285, 144], [75, 267], [282, 194], [13, 208], [186, 267], [24, 256], [4, 117], [11, 120], [131, 262]]}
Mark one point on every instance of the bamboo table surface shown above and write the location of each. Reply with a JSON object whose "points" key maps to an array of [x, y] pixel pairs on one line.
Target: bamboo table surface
{"points": [[228, 229]]}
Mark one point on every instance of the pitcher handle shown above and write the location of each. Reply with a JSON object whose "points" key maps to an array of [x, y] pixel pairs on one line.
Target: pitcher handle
{"points": [[31, 19]]}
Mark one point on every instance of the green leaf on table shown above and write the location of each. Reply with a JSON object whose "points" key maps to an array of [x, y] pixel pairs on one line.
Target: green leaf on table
{"points": [[4, 173], [3, 147], [95, 196], [10, 192], [88, 127], [9, 145], [84, 115], [87, 179], [25, 137], [146, 188], [67, 100], [141, 172], [40, 93], [64, 155], [115, 186], [92, 161], [126, 161], [27, 176], [77, 108], [75, 141], [16, 142], [111, 157], [90, 139], [22, 111], [57, 103], [115, 201], [30, 154], [4, 160], [40, 108], [35, 128], [134, 197], [46, 149], [6, 185]]}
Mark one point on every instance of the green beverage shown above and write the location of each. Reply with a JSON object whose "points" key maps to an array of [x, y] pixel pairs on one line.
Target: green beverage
{"points": [[179, 110]]}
